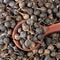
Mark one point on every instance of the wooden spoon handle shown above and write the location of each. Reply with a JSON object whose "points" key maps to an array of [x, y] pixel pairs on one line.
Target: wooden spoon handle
{"points": [[53, 28]]}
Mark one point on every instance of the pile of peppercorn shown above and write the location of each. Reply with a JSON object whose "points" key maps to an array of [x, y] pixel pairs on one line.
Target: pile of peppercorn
{"points": [[29, 34], [36, 12]]}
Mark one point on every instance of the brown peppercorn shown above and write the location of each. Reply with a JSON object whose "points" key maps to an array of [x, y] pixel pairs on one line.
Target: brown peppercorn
{"points": [[49, 11], [47, 5], [17, 37], [19, 30], [58, 45], [36, 58], [51, 47], [30, 54], [16, 0], [6, 40], [35, 51], [13, 23], [40, 51], [8, 18], [55, 36], [21, 4], [18, 18], [26, 16], [53, 54], [7, 24], [9, 31], [32, 45], [42, 9], [25, 27], [24, 58], [46, 52]]}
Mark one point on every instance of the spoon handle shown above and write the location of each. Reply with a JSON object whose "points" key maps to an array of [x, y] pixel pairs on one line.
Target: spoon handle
{"points": [[53, 28]]}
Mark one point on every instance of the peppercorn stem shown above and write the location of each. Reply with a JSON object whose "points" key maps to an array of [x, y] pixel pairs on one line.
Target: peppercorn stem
{"points": [[6, 45], [25, 16], [13, 16], [3, 22], [39, 8], [21, 13]]}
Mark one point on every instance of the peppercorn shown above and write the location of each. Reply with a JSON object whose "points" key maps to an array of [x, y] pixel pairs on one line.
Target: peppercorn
{"points": [[55, 36], [2, 27], [7, 24], [30, 22], [40, 51], [47, 5], [13, 57], [53, 54], [45, 29], [22, 41], [1, 41], [14, 11], [2, 6], [34, 5], [48, 40], [1, 1], [28, 43], [48, 58], [55, 10], [29, 4], [43, 15], [9, 32], [18, 18], [8, 18], [35, 39], [6, 40], [46, 52], [6, 1], [51, 47], [25, 27], [36, 58], [13, 24], [58, 45], [21, 4], [33, 17], [24, 58], [23, 34], [36, 25], [30, 54], [51, 17], [26, 16], [57, 1], [10, 50], [32, 45], [40, 3], [17, 37], [12, 4], [1, 58], [23, 46], [58, 14], [51, 1], [39, 36], [58, 56], [35, 51], [19, 30], [48, 22], [40, 20], [30, 11], [43, 9], [52, 6], [36, 12], [49, 11], [38, 30]]}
